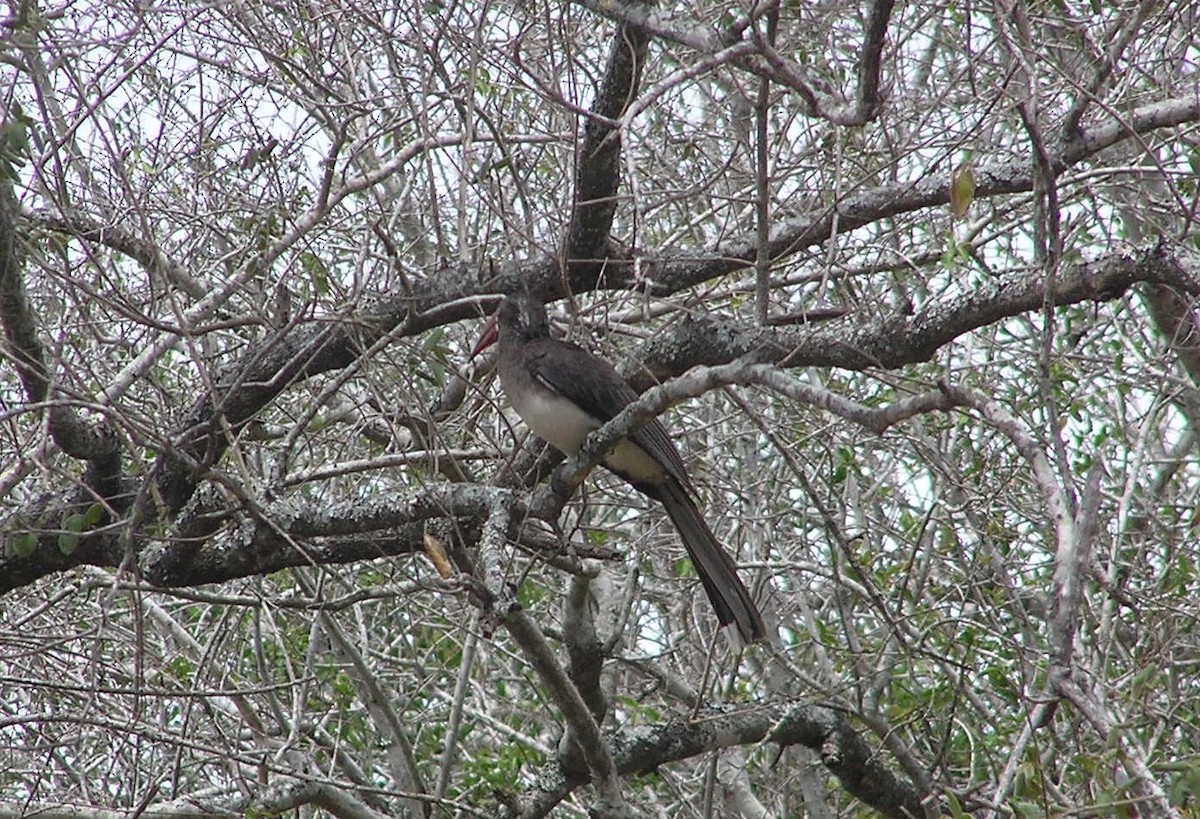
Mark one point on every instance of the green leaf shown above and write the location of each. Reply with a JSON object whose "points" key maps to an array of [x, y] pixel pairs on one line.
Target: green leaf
{"points": [[93, 514], [1028, 810], [318, 274], [596, 537], [14, 143], [67, 542], [181, 668], [952, 803], [844, 459], [23, 543]]}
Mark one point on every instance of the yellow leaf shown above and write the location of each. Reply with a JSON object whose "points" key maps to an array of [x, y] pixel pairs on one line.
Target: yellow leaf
{"points": [[436, 551], [962, 189]]}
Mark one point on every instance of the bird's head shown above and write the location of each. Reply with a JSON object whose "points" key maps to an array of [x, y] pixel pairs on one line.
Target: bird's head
{"points": [[520, 317]]}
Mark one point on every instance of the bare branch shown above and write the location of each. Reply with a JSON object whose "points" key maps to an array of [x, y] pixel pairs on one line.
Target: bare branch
{"points": [[644, 749], [598, 164]]}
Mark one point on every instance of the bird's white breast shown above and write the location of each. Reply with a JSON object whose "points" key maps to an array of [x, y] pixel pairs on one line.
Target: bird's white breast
{"points": [[565, 426]]}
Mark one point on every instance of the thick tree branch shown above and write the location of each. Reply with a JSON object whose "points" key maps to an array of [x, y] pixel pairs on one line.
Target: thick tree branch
{"points": [[391, 730], [598, 164], [1174, 313], [151, 257], [872, 60], [847, 756], [284, 534], [95, 443], [583, 739], [305, 350], [667, 275], [705, 379], [893, 341], [275, 800], [764, 61]]}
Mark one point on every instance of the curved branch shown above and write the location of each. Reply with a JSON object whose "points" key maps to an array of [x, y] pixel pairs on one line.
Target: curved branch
{"points": [[95, 443], [304, 350], [869, 69], [642, 749], [700, 380], [670, 274], [901, 339], [274, 800], [598, 165], [309, 348], [145, 252], [284, 535], [765, 61]]}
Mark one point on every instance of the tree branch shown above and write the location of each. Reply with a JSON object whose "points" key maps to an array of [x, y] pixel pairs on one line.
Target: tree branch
{"points": [[700, 380], [764, 61], [583, 732], [598, 164], [867, 102], [891, 342], [95, 443], [643, 749], [900, 339], [148, 254]]}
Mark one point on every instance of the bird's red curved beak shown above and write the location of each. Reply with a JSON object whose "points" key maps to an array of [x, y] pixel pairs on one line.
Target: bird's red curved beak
{"points": [[491, 332]]}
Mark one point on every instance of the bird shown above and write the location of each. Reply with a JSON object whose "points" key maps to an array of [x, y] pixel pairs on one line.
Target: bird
{"points": [[563, 393]]}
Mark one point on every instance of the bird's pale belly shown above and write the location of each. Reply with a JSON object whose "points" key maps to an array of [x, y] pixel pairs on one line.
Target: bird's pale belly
{"points": [[565, 426]]}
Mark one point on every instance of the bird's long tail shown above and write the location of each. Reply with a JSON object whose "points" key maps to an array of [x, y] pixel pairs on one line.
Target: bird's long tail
{"points": [[718, 572]]}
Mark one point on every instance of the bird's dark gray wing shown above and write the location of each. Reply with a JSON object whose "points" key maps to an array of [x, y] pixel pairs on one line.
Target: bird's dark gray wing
{"points": [[594, 385]]}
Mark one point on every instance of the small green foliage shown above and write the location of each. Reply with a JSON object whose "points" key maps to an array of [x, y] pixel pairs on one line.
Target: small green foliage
{"points": [[962, 188], [596, 537], [67, 542], [1186, 785], [14, 143], [369, 577], [1028, 810], [843, 460], [68, 539], [910, 524], [93, 515], [957, 253], [343, 689], [23, 543], [483, 80], [1028, 781], [1181, 578], [436, 357], [649, 780], [1146, 680], [499, 770], [530, 595], [317, 272], [180, 668], [1002, 686], [954, 806], [637, 712]]}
